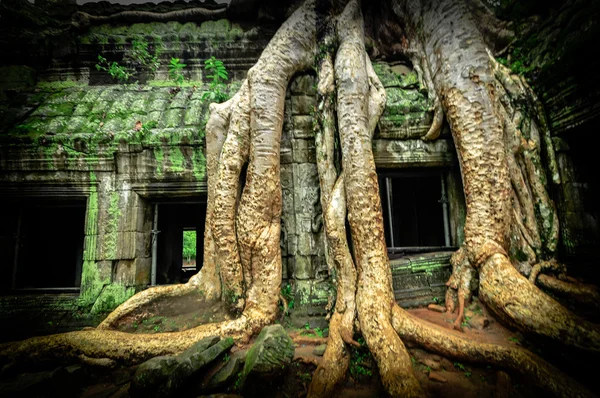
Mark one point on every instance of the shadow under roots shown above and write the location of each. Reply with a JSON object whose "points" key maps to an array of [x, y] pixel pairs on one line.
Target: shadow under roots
{"points": [[173, 314]]}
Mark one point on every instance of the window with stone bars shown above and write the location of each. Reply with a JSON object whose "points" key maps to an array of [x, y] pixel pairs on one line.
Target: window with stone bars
{"points": [[415, 209]]}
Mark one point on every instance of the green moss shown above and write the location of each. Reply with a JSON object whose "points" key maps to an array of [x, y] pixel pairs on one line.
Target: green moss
{"points": [[58, 85], [111, 236], [171, 83], [199, 164], [160, 157], [177, 160], [91, 283], [111, 296]]}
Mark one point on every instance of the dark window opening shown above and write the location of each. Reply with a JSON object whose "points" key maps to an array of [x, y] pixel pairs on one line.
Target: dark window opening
{"points": [[413, 209], [179, 240], [41, 245]]}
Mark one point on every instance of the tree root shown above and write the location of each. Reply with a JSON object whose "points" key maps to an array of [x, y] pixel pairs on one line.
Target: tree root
{"points": [[144, 298], [585, 294], [519, 303], [83, 20], [517, 360], [374, 291], [543, 266], [123, 347]]}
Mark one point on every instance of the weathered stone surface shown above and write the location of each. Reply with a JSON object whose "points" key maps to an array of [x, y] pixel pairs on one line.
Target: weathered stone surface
{"points": [[60, 381], [227, 373], [304, 84], [303, 104], [272, 351], [163, 376], [320, 350], [150, 374]]}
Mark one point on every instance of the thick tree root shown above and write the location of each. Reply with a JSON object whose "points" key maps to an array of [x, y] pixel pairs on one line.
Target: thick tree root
{"points": [[144, 298], [514, 359], [123, 347], [374, 292], [519, 303], [82, 20], [584, 294]]}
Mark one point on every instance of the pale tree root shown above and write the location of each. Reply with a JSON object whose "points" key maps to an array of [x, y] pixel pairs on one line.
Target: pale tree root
{"points": [[374, 292], [122, 347], [514, 359], [144, 298], [585, 294], [544, 266], [460, 286], [333, 367], [520, 304]]}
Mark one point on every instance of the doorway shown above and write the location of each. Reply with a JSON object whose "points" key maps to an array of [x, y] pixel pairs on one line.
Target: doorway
{"points": [[178, 240]]}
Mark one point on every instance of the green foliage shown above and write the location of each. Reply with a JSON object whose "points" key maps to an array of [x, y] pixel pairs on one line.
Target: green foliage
{"points": [[189, 245], [286, 293], [115, 70], [226, 358], [218, 75], [176, 71], [514, 339], [139, 55], [459, 366], [462, 368], [465, 323], [304, 376], [360, 358]]}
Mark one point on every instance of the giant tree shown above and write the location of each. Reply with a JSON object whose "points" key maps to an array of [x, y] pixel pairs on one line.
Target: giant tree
{"points": [[511, 229]]}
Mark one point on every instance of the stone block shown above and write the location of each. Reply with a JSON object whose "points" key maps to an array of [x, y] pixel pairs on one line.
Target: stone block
{"points": [[306, 175], [304, 224], [287, 177], [292, 243], [194, 113], [143, 270], [304, 84], [566, 168], [105, 269], [303, 267], [303, 126], [171, 118], [286, 152], [143, 243], [306, 202], [306, 244], [272, 351], [125, 272], [303, 104]]}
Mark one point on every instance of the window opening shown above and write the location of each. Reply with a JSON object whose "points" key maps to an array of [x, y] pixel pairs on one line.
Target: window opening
{"points": [[177, 240], [415, 207], [41, 245]]}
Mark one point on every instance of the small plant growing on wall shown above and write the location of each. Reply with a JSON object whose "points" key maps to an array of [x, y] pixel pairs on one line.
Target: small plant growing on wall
{"points": [[176, 71], [218, 75], [138, 57], [141, 56], [115, 70]]}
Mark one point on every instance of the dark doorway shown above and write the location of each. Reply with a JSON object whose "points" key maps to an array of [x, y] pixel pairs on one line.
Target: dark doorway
{"points": [[42, 245], [176, 220], [412, 204]]}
